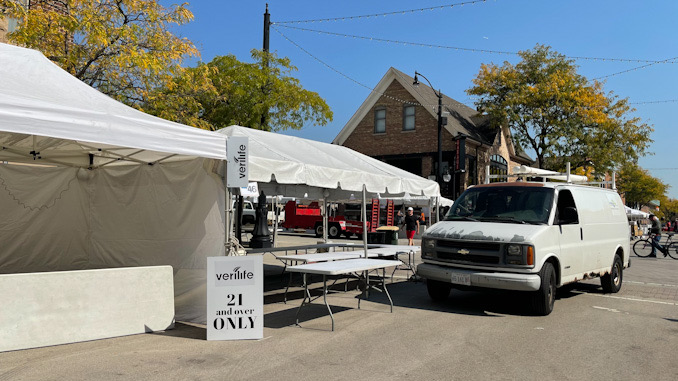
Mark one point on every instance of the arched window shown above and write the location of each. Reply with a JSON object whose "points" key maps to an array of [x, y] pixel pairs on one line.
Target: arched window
{"points": [[498, 166]]}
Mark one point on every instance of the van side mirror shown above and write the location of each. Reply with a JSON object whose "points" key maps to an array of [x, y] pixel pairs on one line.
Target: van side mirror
{"points": [[568, 216]]}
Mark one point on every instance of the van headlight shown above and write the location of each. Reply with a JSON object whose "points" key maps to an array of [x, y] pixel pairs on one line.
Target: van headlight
{"points": [[514, 250], [428, 247], [429, 244], [520, 255]]}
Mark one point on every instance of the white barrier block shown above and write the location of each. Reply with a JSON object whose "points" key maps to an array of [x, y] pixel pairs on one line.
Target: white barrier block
{"points": [[42, 309]]}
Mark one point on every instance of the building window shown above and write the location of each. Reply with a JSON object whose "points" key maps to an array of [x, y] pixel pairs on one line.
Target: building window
{"points": [[498, 166], [380, 121], [408, 118]]}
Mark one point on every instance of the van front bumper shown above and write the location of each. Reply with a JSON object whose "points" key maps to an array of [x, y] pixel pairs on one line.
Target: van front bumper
{"points": [[503, 281]]}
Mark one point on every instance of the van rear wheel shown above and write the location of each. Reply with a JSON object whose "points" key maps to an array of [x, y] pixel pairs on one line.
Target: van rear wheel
{"points": [[612, 282], [543, 299], [437, 290]]}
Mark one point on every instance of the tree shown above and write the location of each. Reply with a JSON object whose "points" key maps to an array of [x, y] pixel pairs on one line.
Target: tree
{"points": [[121, 47], [669, 208], [639, 187], [226, 91], [558, 113]]}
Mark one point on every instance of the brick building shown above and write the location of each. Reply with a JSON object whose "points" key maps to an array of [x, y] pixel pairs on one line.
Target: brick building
{"points": [[398, 124]]}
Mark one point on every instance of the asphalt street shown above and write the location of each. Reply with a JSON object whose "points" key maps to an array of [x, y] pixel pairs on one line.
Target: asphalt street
{"points": [[631, 335]]}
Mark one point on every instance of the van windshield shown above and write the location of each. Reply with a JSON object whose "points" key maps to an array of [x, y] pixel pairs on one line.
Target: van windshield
{"points": [[510, 204]]}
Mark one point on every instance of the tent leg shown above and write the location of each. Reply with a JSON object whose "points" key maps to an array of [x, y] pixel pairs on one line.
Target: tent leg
{"points": [[227, 216], [325, 224], [363, 211]]}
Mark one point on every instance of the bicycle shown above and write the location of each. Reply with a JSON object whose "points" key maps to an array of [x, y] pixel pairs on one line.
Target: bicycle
{"points": [[643, 247]]}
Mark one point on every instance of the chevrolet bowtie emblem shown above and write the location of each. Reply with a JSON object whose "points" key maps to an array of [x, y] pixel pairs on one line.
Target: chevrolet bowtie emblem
{"points": [[463, 251]]}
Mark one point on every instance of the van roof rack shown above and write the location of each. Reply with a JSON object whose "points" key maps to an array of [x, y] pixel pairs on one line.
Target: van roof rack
{"points": [[523, 171]]}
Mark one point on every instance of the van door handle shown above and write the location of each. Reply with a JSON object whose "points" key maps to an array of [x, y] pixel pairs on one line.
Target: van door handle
{"points": [[581, 232]]}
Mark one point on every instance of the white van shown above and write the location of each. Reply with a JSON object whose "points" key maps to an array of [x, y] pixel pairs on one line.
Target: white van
{"points": [[526, 236]]}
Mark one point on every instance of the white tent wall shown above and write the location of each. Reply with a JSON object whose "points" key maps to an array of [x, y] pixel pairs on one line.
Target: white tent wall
{"points": [[62, 218]]}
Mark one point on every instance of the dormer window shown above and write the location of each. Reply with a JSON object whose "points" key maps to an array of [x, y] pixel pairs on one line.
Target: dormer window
{"points": [[380, 121], [408, 118]]}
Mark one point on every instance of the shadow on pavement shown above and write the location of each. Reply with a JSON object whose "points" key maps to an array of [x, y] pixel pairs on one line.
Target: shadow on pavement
{"points": [[186, 331], [315, 310]]}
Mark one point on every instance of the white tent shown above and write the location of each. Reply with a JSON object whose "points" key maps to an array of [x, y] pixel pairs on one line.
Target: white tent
{"points": [[635, 214], [114, 187], [300, 167], [109, 186]]}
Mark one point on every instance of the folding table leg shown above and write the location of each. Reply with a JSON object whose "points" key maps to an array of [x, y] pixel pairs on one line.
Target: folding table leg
{"points": [[383, 285], [325, 299], [306, 295]]}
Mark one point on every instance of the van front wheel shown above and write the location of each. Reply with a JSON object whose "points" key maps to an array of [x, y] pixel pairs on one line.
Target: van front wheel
{"points": [[437, 290], [612, 282], [543, 299]]}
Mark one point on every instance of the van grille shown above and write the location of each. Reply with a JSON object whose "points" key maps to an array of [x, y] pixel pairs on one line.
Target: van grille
{"points": [[468, 258], [470, 245], [471, 252]]}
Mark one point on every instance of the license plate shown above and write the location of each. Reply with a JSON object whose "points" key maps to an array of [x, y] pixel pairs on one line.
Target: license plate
{"points": [[460, 278]]}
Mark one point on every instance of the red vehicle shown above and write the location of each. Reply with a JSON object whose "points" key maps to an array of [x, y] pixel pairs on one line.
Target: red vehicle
{"points": [[308, 217]]}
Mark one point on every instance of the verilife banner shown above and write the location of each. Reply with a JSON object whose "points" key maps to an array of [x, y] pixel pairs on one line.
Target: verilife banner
{"points": [[237, 151], [235, 298]]}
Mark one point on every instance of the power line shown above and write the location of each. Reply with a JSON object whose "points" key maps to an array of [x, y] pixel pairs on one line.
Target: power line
{"points": [[383, 14], [474, 50], [653, 102], [355, 81], [636, 68]]}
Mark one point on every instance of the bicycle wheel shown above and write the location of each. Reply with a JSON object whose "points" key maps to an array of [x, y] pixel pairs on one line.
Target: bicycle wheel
{"points": [[642, 248], [673, 250]]}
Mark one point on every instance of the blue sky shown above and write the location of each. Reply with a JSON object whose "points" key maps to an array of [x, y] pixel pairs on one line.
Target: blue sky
{"points": [[616, 29]]}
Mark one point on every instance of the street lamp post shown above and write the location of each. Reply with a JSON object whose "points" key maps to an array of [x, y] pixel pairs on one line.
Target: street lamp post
{"points": [[439, 94]]}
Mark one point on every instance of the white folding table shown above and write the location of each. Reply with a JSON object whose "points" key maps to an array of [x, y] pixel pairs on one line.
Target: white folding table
{"points": [[342, 267]]}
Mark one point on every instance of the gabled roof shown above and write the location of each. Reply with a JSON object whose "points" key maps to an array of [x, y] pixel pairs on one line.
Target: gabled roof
{"points": [[461, 119]]}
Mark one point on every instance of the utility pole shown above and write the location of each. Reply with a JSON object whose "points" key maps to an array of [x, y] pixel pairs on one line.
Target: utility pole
{"points": [[267, 29]]}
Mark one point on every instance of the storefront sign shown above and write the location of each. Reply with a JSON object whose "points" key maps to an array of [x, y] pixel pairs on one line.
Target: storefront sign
{"points": [[237, 151], [235, 298]]}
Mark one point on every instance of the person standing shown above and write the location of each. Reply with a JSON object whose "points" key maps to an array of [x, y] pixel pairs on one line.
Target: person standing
{"points": [[411, 225], [656, 229]]}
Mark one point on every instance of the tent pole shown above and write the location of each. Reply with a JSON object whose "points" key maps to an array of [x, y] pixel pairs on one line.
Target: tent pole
{"points": [[275, 224], [324, 220], [227, 216], [363, 211]]}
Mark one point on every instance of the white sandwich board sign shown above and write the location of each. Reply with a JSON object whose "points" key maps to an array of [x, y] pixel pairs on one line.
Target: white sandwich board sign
{"points": [[235, 298]]}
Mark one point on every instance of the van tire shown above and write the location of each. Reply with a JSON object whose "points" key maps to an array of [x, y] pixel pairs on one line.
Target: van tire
{"points": [[437, 290], [542, 300], [612, 281]]}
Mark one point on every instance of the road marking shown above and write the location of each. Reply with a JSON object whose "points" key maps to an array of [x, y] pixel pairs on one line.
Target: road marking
{"points": [[651, 284], [606, 309], [631, 299]]}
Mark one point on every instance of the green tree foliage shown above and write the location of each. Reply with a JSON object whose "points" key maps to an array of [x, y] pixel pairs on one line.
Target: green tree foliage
{"points": [[639, 187], [226, 91], [559, 113], [669, 208], [121, 47]]}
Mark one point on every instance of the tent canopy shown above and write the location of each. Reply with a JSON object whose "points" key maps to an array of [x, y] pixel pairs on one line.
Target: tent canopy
{"points": [[48, 116], [291, 165]]}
